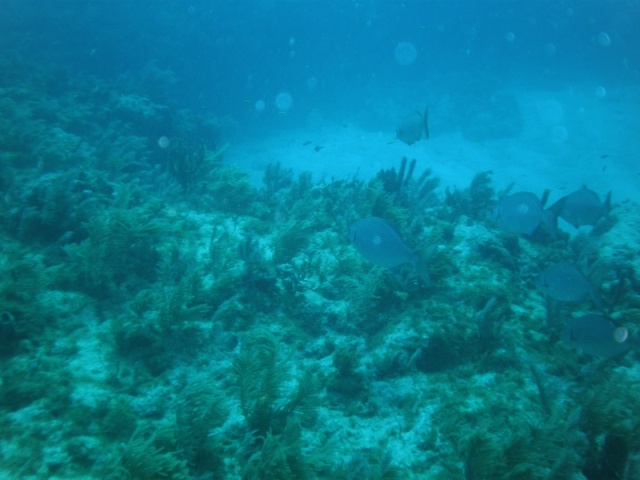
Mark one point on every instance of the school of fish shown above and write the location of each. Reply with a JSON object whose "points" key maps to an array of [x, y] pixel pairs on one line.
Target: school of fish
{"points": [[521, 213]]}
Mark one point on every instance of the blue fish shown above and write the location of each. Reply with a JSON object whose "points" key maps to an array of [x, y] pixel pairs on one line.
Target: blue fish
{"points": [[582, 207], [599, 336], [564, 282], [381, 244], [412, 126], [522, 213]]}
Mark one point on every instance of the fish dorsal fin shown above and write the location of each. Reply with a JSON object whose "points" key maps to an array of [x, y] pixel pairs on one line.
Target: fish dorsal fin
{"points": [[596, 298], [550, 221], [607, 203]]}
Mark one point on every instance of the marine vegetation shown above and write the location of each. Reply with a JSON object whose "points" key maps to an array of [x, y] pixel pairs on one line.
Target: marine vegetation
{"points": [[476, 201], [163, 316], [148, 454], [261, 376], [190, 164], [200, 410]]}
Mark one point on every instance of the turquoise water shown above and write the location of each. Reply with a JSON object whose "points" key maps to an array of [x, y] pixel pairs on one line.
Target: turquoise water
{"points": [[179, 296]]}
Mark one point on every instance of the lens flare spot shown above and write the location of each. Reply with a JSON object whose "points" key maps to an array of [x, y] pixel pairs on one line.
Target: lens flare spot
{"points": [[405, 53], [163, 142], [284, 101]]}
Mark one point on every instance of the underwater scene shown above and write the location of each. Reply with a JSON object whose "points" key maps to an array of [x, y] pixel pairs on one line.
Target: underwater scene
{"points": [[320, 239]]}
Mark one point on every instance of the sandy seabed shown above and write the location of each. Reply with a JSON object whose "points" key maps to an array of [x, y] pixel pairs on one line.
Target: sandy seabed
{"points": [[570, 138]]}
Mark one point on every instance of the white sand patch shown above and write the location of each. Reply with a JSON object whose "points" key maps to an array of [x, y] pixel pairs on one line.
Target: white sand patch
{"points": [[570, 138]]}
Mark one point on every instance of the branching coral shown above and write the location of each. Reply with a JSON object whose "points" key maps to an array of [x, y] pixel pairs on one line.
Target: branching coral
{"points": [[148, 456], [121, 242], [276, 178], [190, 164], [186, 163], [281, 457], [475, 201], [199, 411], [261, 377]]}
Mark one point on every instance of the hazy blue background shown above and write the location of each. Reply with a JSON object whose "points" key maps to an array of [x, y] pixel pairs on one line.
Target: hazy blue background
{"points": [[226, 54]]}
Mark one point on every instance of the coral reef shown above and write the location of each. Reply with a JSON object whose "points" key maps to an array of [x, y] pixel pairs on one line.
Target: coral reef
{"points": [[163, 317]]}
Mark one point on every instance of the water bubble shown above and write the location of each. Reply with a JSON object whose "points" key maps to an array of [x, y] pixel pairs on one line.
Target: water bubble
{"points": [[601, 92], [603, 39], [560, 134], [312, 83], [163, 142], [284, 101], [550, 111], [550, 49], [510, 37], [260, 104], [405, 53]]}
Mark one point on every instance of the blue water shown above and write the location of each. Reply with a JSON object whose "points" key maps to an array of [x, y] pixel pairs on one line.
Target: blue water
{"points": [[224, 53]]}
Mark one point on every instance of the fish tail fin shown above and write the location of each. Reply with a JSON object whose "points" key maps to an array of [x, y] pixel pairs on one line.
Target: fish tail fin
{"points": [[635, 341], [557, 207], [425, 119], [597, 300], [550, 220], [551, 214], [607, 203]]}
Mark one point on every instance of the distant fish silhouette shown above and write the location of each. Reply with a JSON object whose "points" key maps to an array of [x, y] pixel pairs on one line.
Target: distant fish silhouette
{"points": [[410, 128], [582, 207]]}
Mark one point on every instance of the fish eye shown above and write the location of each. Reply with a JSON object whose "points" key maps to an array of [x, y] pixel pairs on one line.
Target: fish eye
{"points": [[620, 334]]}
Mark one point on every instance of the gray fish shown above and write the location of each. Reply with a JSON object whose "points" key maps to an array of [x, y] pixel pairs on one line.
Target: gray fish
{"points": [[522, 213], [582, 207], [564, 282], [599, 336], [410, 128], [380, 243]]}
